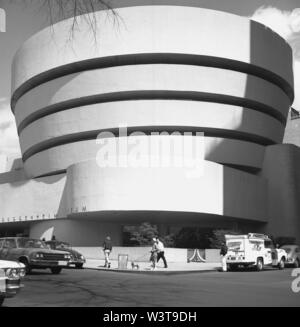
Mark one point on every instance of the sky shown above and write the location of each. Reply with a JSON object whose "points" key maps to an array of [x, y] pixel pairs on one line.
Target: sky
{"points": [[26, 17]]}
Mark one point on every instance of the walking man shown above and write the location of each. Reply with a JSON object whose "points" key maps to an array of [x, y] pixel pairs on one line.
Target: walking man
{"points": [[107, 248], [161, 252], [223, 253]]}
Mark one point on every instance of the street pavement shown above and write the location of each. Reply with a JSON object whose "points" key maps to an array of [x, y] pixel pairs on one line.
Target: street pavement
{"points": [[96, 288]]}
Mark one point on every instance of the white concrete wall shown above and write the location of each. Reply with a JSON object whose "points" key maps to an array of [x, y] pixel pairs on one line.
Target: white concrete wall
{"points": [[156, 29], [225, 151], [29, 200], [142, 254], [166, 189], [136, 254], [152, 77], [181, 115]]}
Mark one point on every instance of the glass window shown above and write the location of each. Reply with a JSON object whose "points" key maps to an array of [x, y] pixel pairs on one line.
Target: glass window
{"points": [[31, 243], [235, 246], [256, 245], [1, 243], [9, 243], [269, 244]]}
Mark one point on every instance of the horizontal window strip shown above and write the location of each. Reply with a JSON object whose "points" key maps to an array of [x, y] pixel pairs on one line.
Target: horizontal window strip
{"points": [[92, 135], [150, 95], [151, 58]]}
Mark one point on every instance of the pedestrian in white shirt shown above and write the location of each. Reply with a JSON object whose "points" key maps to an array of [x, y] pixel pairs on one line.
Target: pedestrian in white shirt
{"points": [[161, 252]]}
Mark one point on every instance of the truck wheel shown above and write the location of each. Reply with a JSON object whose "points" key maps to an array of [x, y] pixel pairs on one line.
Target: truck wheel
{"points": [[259, 264], [1, 301], [26, 264], [296, 263], [281, 264], [56, 270]]}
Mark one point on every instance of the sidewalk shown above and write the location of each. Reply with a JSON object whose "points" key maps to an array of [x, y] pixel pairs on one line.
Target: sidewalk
{"points": [[144, 267]]}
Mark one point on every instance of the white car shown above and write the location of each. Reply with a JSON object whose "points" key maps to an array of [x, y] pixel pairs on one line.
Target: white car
{"points": [[256, 250], [293, 255], [11, 273]]}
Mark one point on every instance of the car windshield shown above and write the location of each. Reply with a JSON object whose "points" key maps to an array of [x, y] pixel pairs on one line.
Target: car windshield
{"points": [[31, 243], [58, 245], [235, 246]]}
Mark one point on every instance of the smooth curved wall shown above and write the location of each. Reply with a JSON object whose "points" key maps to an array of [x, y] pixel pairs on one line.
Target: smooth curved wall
{"points": [[174, 68], [231, 152], [165, 190]]}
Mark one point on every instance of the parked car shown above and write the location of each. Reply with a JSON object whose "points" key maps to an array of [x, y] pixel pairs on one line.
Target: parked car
{"points": [[33, 253], [256, 250], [77, 259], [11, 274], [293, 254]]}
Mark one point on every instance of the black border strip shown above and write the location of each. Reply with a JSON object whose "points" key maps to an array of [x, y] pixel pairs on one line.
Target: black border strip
{"points": [[92, 135], [151, 58], [151, 95]]}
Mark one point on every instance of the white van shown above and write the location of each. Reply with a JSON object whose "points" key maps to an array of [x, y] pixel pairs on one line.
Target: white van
{"points": [[256, 250]]}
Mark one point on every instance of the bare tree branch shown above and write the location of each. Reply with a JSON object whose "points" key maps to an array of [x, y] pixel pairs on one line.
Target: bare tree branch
{"points": [[57, 10]]}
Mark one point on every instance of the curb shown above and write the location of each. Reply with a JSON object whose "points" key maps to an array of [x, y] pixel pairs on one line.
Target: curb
{"points": [[154, 272]]}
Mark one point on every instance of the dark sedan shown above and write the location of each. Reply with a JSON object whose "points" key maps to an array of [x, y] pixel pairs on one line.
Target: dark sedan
{"points": [[77, 259]]}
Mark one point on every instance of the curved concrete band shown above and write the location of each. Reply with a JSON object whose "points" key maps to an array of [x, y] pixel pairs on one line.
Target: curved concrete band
{"points": [[59, 158], [119, 189], [214, 84], [183, 116], [154, 29]]}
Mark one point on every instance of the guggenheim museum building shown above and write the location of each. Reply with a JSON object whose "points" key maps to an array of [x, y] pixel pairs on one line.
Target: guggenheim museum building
{"points": [[157, 68]]}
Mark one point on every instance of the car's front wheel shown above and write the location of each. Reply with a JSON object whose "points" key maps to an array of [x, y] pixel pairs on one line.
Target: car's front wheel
{"points": [[26, 264], [56, 270], [79, 265], [1, 301]]}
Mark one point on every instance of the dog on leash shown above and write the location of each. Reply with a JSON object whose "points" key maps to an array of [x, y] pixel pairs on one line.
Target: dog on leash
{"points": [[135, 265]]}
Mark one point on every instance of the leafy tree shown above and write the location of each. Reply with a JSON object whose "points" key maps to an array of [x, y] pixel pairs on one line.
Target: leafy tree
{"points": [[144, 234], [168, 240], [282, 240], [218, 237], [193, 237]]}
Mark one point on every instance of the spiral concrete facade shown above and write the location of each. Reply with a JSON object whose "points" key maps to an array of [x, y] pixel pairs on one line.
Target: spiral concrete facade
{"points": [[161, 68]]}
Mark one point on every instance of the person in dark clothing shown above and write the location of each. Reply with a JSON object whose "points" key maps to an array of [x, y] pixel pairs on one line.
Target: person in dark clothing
{"points": [[223, 254], [107, 248]]}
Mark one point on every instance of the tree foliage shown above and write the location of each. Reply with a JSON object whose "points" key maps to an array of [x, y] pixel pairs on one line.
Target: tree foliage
{"points": [[144, 234], [193, 238], [218, 237]]}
